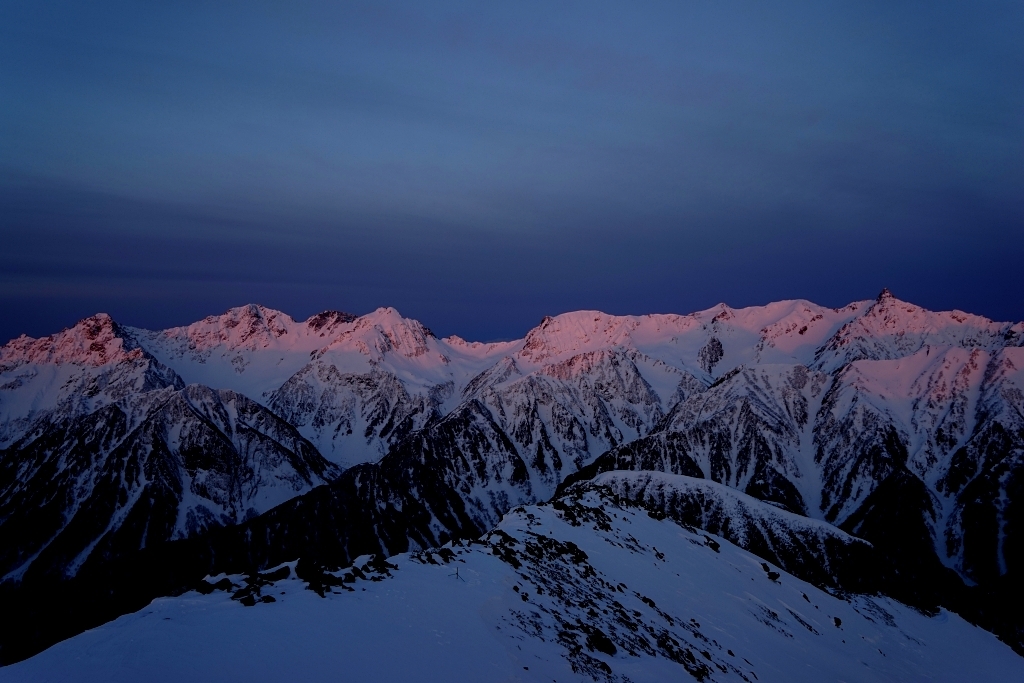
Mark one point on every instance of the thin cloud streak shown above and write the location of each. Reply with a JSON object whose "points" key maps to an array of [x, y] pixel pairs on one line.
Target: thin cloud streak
{"points": [[480, 166]]}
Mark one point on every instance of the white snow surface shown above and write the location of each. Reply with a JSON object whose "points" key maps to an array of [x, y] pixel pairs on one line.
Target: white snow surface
{"points": [[640, 578]]}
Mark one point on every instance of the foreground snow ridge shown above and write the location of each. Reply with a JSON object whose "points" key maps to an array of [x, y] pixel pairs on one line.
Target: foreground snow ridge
{"points": [[584, 588]]}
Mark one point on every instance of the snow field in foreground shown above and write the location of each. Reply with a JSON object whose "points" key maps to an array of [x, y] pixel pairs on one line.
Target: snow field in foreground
{"points": [[581, 582]]}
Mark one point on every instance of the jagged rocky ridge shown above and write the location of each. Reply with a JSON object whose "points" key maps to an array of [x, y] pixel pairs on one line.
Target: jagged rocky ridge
{"points": [[898, 425]]}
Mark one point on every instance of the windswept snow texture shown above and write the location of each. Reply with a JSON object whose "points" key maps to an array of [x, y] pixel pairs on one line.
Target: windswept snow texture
{"points": [[579, 590]]}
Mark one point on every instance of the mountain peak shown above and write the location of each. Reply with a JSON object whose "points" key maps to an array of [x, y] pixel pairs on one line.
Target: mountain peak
{"points": [[887, 305], [250, 312], [385, 330], [572, 332], [328, 319], [250, 326], [386, 317], [891, 328], [96, 340]]}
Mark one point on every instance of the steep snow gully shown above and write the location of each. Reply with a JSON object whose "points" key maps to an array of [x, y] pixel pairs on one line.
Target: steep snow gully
{"points": [[607, 488]]}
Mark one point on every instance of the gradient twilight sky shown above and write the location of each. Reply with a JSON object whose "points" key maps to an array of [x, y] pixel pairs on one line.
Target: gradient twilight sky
{"points": [[480, 165]]}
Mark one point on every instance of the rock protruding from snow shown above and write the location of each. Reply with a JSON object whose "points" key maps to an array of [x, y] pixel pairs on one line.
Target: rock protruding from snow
{"points": [[326, 322]]}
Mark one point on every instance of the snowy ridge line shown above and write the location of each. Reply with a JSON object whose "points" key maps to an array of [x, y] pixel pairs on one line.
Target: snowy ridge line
{"points": [[787, 330], [810, 549], [316, 372], [579, 589], [659, 489]]}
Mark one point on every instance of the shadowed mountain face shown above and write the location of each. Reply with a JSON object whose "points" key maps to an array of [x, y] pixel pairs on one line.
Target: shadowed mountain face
{"points": [[341, 435], [96, 486]]}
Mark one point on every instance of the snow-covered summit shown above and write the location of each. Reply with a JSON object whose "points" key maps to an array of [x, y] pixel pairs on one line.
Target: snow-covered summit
{"points": [[580, 331], [890, 328], [79, 370], [382, 332], [714, 340], [93, 341], [251, 327], [251, 349], [245, 327]]}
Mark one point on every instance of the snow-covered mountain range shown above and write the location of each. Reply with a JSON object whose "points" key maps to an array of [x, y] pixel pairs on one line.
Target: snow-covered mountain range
{"points": [[340, 436]]}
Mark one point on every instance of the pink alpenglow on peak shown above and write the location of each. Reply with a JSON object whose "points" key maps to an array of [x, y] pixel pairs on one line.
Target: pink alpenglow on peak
{"points": [[384, 331], [94, 341]]}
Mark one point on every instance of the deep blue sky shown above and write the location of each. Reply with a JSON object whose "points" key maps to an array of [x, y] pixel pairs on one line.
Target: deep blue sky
{"points": [[478, 166]]}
